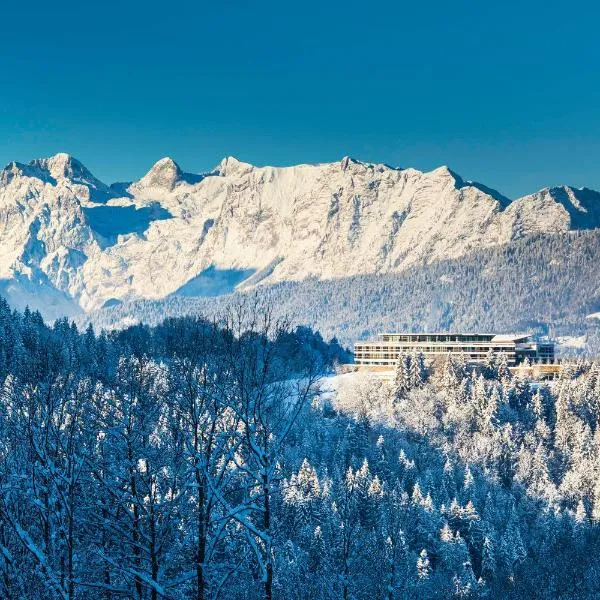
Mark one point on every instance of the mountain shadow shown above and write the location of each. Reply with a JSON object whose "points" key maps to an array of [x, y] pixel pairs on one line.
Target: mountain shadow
{"points": [[214, 282], [112, 221]]}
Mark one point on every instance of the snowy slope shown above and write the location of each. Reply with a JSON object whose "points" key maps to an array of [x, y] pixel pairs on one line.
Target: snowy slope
{"points": [[240, 225]]}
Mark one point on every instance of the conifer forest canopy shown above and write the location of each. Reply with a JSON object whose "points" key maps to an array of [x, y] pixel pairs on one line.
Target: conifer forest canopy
{"points": [[223, 459]]}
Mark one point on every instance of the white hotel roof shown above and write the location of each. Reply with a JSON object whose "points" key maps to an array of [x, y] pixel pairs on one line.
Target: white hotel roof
{"points": [[508, 337], [496, 337]]}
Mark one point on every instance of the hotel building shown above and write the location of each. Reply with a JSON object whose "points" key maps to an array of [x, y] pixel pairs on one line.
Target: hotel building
{"points": [[473, 346]]}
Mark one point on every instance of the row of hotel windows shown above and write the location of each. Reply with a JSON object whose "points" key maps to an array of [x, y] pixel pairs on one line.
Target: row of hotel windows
{"points": [[436, 349], [394, 357], [369, 356], [436, 338], [392, 360]]}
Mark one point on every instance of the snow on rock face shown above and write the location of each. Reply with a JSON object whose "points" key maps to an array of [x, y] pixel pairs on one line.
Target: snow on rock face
{"points": [[327, 220], [64, 168], [231, 166], [164, 174]]}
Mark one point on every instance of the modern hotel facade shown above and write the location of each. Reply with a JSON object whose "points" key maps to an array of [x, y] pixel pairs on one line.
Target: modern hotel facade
{"points": [[473, 346]]}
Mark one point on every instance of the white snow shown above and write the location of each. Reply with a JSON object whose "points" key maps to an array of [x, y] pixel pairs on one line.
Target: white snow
{"points": [[570, 341]]}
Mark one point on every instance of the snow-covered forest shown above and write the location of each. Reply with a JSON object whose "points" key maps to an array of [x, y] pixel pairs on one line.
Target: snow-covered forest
{"points": [[545, 284], [223, 459]]}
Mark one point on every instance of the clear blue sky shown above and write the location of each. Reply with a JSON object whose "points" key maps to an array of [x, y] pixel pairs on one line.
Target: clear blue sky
{"points": [[505, 93]]}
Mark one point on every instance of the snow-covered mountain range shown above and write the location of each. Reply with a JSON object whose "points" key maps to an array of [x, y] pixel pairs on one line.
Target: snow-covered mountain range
{"points": [[69, 242]]}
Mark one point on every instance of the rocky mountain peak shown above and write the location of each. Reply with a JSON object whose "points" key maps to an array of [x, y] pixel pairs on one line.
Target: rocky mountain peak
{"points": [[12, 171], [58, 169], [346, 162], [63, 166], [164, 174], [232, 167], [582, 204]]}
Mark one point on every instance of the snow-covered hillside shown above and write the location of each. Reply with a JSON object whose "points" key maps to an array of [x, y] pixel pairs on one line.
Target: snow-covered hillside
{"points": [[171, 232]]}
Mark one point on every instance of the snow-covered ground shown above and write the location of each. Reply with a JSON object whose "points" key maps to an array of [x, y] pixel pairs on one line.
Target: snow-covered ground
{"points": [[571, 342], [359, 393]]}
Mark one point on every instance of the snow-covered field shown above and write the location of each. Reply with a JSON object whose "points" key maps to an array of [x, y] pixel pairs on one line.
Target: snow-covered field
{"points": [[571, 342]]}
